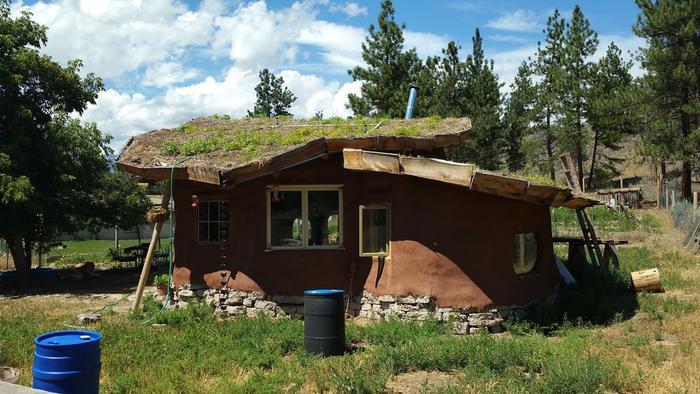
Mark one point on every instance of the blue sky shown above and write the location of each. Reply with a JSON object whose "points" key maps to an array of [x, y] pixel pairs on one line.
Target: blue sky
{"points": [[167, 61]]}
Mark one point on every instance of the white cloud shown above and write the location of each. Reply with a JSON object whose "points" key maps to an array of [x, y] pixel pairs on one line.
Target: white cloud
{"points": [[627, 44], [508, 38], [123, 115], [167, 74], [518, 20], [113, 38], [351, 9], [426, 44], [152, 43], [506, 63]]}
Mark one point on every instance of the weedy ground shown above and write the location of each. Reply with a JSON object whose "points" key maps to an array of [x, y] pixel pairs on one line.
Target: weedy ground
{"points": [[598, 337]]}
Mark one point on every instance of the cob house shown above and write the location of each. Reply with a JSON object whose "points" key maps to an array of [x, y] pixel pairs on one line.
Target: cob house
{"points": [[267, 208]]}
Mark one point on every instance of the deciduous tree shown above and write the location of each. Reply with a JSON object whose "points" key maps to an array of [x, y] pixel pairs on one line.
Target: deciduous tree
{"points": [[52, 167]]}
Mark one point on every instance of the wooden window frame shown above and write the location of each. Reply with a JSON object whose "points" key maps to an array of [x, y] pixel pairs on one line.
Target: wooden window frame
{"points": [[209, 200], [304, 189], [386, 206]]}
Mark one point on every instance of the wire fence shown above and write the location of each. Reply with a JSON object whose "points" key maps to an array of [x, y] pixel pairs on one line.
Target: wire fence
{"points": [[686, 217]]}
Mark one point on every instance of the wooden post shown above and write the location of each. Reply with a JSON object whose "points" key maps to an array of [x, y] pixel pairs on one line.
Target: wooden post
{"points": [[658, 193], [695, 204], [673, 198], [667, 197], [151, 250]]}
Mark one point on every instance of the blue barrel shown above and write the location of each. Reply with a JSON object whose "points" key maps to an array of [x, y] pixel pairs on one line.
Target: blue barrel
{"points": [[324, 322], [67, 362]]}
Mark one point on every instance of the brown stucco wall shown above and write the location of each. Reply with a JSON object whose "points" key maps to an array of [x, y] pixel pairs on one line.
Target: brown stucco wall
{"points": [[447, 242]]}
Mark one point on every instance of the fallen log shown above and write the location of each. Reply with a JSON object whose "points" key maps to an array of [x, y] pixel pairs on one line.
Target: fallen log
{"points": [[647, 280]]}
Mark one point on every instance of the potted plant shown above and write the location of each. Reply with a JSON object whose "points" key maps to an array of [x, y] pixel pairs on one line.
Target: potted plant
{"points": [[162, 282]]}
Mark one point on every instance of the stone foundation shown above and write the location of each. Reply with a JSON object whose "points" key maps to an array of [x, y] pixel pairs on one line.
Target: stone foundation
{"points": [[229, 302]]}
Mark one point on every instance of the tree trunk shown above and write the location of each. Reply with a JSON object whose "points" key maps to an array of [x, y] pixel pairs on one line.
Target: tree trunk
{"points": [[595, 151], [663, 169], [23, 266], [686, 190], [550, 149]]}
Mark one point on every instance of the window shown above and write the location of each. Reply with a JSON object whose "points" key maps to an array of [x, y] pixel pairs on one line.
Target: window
{"points": [[213, 221], [524, 253], [304, 217], [374, 230]]}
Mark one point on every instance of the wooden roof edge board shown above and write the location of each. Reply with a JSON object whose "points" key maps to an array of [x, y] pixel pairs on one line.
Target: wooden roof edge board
{"points": [[358, 159], [436, 169], [578, 202], [501, 185], [197, 174]]}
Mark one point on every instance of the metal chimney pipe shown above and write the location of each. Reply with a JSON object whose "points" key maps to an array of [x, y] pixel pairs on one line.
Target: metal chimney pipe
{"points": [[411, 102]]}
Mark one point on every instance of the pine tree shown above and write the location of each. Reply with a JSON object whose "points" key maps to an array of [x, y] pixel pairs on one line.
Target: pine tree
{"points": [[612, 112], [548, 67], [483, 101], [672, 61], [452, 94], [580, 43], [272, 97], [390, 71], [518, 116]]}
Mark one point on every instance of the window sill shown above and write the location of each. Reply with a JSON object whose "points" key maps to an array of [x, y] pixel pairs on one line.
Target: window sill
{"points": [[301, 248]]}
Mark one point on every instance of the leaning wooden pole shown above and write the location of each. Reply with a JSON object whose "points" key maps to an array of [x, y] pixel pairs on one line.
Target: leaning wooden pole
{"points": [[158, 225]]}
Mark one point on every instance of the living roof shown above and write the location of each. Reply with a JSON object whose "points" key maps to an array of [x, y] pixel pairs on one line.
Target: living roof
{"points": [[219, 146]]}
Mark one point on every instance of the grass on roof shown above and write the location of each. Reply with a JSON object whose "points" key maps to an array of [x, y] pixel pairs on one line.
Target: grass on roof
{"points": [[254, 143]]}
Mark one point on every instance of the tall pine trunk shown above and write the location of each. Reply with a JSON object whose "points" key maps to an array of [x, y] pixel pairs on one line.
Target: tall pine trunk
{"points": [[23, 262], [550, 146], [595, 152], [686, 190]]}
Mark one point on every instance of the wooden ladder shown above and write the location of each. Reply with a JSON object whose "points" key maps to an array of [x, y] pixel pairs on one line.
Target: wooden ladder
{"points": [[591, 240]]}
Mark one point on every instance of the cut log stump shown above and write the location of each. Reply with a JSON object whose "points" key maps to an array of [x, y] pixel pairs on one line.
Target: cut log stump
{"points": [[647, 280]]}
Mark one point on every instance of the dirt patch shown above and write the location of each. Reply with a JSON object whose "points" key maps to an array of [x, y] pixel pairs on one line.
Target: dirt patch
{"points": [[420, 382]]}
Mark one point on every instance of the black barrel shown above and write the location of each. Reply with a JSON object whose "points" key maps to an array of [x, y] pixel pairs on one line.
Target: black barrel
{"points": [[324, 322]]}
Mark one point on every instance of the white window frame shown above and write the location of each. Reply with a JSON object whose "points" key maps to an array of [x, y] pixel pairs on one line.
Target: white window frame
{"points": [[199, 221], [305, 189], [386, 206]]}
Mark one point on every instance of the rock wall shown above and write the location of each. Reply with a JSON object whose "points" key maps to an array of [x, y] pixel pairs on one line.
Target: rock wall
{"points": [[229, 302]]}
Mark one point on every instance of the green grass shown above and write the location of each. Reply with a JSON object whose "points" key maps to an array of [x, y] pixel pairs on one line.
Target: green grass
{"points": [[97, 251], [196, 353], [604, 220]]}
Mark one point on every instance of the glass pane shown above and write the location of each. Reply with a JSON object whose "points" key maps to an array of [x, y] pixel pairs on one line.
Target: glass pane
{"points": [[203, 232], [213, 231], [375, 226], [323, 205], [203, 211], [284, 211], [524, 252], [213, 211]]}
